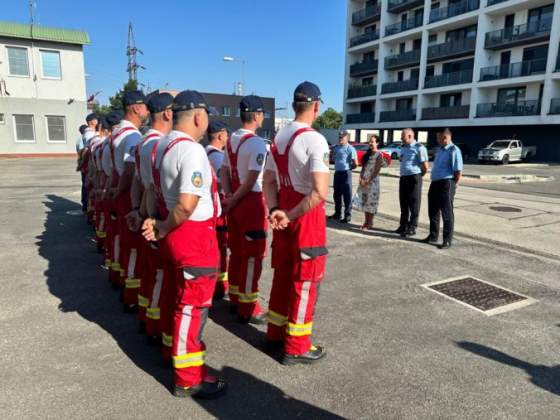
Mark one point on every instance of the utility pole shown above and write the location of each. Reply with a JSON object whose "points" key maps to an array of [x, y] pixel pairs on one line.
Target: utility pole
{"points": [[131, 52], [31, 17]]}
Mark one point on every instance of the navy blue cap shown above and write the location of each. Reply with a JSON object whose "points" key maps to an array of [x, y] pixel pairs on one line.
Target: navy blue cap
{"points": [[113, 118], [91, 117], [83, 128], [251, 103], [133, 97], [307, 92], [191, 99], [216, 126], [160, 102]]}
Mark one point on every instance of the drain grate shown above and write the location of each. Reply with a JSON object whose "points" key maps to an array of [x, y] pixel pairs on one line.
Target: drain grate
{"points": [[480, 295], [505, 209]]}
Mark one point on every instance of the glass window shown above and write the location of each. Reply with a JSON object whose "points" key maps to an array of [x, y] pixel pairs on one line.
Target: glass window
{"points": [[25, 131], [2, 119], [17, 57], [50, 61], [511, 95], [56, 128], [226, 111]]}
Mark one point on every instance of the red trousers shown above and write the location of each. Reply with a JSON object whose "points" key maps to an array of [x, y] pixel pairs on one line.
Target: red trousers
{"points": [[114, 245], [222, 286], [100, 223], [247, 230], [132, 264], [146, 275]]}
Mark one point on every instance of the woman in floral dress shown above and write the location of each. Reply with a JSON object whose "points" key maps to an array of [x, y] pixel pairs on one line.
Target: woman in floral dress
{"points": [[369, 181]]}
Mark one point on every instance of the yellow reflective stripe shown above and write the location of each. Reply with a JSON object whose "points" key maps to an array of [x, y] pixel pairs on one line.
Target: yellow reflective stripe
{"points": [[108, 263], [223, 276], [132, 283], [100, 234], [167, 340], [276, 319], [152, 313], [189, 360], [248, 297], [299, 330], [143, 301], [233, 289], [115, 266]]}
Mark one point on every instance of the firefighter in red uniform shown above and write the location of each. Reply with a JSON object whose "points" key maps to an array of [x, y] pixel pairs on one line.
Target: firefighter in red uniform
{"points": [[296, 184], [188, 206], [247, 215]]}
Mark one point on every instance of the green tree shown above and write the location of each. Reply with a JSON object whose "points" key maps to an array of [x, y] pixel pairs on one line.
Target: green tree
{"points": [[328, 119], [115, 102]]}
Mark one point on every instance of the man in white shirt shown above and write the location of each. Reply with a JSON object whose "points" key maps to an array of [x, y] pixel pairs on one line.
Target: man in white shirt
{"points": [[188, 207], [88, 133], [247, 215], [296, 183]]}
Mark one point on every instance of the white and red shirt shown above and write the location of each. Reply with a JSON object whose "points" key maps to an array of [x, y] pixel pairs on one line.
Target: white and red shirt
{"points": [[251, 156], [147, 143], [106, 162], [309, 153], [89, 133], [124, 144]]}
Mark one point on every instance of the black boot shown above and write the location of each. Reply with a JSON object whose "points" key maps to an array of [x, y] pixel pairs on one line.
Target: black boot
{"points": [[312, 356]]}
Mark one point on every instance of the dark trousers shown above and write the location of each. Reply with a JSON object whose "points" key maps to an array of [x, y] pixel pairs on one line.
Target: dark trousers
{"points": [[343, 190], [84, 192], [410, 197], [440, 201]]}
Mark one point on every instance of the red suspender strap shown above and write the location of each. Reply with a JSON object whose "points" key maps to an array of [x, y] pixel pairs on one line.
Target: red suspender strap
{"points": [[137, 151], [281, 160], [112, 144], [233, 160]]}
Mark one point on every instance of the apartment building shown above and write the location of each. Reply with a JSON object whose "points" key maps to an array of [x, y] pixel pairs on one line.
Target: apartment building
{"points": [[487, 69], [42, 89]]}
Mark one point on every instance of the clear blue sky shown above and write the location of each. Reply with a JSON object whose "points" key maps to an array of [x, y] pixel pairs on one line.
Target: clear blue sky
{"points": [[284, 42]]}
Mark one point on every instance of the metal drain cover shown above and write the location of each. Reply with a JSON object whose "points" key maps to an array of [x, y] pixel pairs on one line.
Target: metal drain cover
{"points": [[480, 295], [505, 209]]}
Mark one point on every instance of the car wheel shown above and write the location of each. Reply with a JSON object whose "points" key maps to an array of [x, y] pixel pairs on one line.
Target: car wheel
{"points": [[505, 160], [394, 156]]}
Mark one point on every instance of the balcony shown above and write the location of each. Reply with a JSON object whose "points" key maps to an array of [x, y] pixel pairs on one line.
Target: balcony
{"points": [[519, 109], [554, 106], [367, 15], [445, 113], [398, 115], [402, 86], [362, 39], [493, 2], [364, 68], [452, 49], [448, 79], [397, 6], [404, 25], [518, 35], [452, 10], [361, 91], [366, 117], [407, 59], [507, 71]]}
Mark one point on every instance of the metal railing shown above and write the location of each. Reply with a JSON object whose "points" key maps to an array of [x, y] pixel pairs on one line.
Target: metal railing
{"points": [[518, 109], [363, 38], [554, 106], [396, 6], [506, 71], [369, 14], [365, 117], [398, 115], [448, 79], [404, 25], [528, 32], [363, 68], [454, 9], [402, 60], [452, 48], [444, 113], [493, 2], [361, 91], [403, 85]]}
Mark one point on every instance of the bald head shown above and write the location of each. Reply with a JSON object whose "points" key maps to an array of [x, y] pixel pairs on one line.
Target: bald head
{"points": [[407, 136], [194, 122]]}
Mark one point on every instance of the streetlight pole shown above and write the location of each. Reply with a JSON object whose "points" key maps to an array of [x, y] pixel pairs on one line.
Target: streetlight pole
{"points": [[243, 62]]}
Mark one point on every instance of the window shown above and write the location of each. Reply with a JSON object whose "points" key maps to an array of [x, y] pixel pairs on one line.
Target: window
{"points": [[18, 64], [432, 39], [267, 114], [367, 81], [404, 104], [511, 96], [238, 112], [50, 61], [450, 99], [56, 128], [2, 119], [226, 111], [25, 131]]}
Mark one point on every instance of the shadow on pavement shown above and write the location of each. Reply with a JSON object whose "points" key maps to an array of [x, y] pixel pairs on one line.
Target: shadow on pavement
{"points": [[350, 227], [545, 377]]}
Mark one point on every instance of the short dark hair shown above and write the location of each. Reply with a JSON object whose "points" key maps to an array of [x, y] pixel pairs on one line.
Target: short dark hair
{"points": [[300, 107], [446, 132], [247, 117]]}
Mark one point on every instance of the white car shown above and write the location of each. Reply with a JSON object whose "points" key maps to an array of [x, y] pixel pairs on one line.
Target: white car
{"points": [[506, 151], [393, 149]]}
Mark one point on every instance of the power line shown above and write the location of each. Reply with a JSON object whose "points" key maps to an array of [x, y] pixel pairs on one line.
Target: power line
{"points": [[131, 52]]}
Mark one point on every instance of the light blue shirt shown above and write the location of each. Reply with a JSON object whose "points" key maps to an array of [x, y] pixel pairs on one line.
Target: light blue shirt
{"points": [[448, 161], [79, 144], [343, 157], [412, 157]]}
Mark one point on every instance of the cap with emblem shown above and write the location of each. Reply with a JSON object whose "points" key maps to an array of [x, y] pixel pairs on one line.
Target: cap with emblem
{"points": [[251, 103], [160, 102], [133, 97], [307, 92], [191, 99], [113, 118], [91, 117], [216, 126]]}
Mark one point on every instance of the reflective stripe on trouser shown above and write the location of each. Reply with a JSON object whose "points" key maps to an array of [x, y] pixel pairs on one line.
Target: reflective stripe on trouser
{"points": [[116, 269], [153, 312], [131, 282]]}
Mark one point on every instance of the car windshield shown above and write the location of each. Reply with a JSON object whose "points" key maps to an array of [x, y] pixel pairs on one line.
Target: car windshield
{"points": [[500, 144]]}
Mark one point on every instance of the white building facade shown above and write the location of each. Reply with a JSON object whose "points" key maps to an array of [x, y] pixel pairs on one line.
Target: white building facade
{"points": [[487, 69], [42, 89]]}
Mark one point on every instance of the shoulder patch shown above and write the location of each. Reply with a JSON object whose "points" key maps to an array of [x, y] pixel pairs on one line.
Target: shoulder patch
{"points": [[196, 179], [260, 159]]}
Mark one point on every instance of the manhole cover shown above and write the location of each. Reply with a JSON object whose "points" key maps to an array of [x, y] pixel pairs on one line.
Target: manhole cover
{"points": [[75, 212], [505, 209], [480, 295]]}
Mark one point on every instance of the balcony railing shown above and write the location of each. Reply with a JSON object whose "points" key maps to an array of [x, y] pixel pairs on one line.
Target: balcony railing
{"points": [[493, 2], [364, 68], [408, 58], [444, 113], [361, 91], [517, 35], [362, 39], [404, 25], [366, 117], [454, 9], [448, 79], [554, 106], [452, 49], [519, 109], [398, 115], [397, 6], [367, 15], [403, 85], [506, 71]]}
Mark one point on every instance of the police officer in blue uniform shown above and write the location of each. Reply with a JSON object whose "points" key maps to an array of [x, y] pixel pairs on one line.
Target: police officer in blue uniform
{"points": [[414, 165], [345, 159], [446, 174]]}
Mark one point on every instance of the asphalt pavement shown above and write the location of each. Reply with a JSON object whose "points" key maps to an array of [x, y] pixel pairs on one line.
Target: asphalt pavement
{"points": [[395, 349]]}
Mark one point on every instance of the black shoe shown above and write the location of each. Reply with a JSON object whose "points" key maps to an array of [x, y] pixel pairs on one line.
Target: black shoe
{"points": [[153, 341], [255, 320], [347, 219], [400, 230], [429, 240], [445, 245], [313, 355], [334, 217], [204, 390], [130, 309], [411, 232]]}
